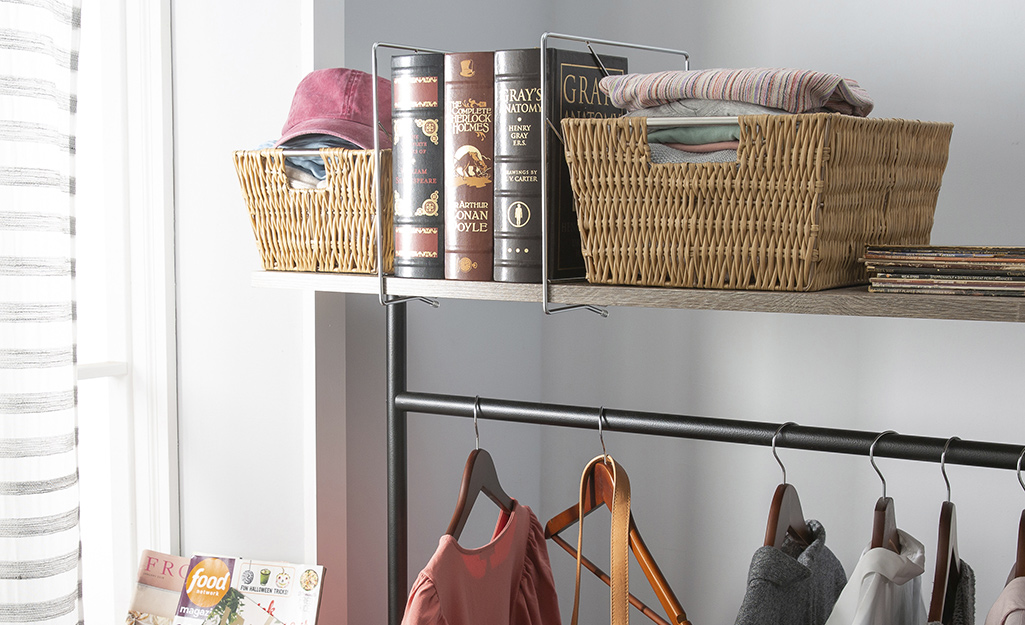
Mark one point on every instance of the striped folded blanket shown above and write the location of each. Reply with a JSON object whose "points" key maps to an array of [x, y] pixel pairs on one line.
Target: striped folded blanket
{"points": [[793, 90]]}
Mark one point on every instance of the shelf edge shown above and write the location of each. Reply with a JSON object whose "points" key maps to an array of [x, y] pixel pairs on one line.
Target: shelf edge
{"points": [[849, 301]]}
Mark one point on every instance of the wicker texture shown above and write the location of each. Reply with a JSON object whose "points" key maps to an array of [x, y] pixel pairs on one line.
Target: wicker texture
{"points": [[794, 213], [330, 229]]}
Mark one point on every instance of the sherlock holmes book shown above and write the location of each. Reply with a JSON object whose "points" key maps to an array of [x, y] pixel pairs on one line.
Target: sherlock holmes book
{"points": [[418, 157], [573, 83], [469, 164]]}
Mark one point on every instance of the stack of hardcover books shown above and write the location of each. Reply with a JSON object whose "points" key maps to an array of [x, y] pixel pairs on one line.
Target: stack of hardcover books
{"points": [[466, 161], [946, 270]]}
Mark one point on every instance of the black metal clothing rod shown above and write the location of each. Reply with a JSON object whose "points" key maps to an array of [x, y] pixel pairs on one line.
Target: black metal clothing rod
{"points": [[856, 442]]}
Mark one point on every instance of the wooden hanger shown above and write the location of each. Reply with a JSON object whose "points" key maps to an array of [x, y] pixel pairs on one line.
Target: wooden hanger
{"points": [[948, 562], [598, 492], [884, 526], [1019, 562], [479, 476], [603, 576], [785, 514], [786, 518], [948, 568], [884, 520]]}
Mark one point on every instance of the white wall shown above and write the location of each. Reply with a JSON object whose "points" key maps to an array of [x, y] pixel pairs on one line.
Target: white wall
{"points": [[236, 65], [701, 506]]}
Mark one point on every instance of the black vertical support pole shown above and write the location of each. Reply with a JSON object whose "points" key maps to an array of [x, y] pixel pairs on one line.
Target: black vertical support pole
{"points": [[396, 464]]}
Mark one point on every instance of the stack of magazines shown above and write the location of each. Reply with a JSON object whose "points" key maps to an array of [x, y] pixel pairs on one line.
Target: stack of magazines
{"points": [[217, 590], [946, 270]]}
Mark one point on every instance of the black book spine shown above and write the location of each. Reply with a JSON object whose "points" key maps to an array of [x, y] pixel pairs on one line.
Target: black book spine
{"points": [[517, 219], [418, 164], [572, 91]]}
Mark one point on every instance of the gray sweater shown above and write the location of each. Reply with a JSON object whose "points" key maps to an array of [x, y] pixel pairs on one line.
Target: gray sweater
{"points": [[793, 585], [964, 597]]}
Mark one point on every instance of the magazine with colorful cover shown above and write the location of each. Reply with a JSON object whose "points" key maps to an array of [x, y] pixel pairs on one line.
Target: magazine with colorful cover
{"points": [[291, 592], [220, 590], [159, 586], [207, 598]]}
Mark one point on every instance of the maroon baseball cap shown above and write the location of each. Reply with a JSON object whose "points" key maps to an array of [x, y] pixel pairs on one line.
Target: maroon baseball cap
{"points": [[339, 102]]}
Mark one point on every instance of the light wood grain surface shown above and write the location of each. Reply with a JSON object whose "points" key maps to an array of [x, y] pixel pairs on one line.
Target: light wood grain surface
{"points": [[850, 301]]}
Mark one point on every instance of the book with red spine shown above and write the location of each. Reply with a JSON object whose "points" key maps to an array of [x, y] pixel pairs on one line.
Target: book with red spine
{"points": [[469, 165]]}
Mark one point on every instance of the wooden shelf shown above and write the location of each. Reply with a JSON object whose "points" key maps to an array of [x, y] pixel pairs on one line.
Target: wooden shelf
{"points": [[851, 301]]}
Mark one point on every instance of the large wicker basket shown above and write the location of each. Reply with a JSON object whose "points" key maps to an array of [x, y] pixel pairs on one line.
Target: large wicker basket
{"points": [[330, 229], [794, 213]]}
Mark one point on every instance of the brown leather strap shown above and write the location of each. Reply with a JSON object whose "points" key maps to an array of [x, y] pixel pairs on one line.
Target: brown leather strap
{"points": [[619, 543]]}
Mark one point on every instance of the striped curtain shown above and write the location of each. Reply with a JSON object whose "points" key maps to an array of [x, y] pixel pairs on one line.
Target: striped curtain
{"points": [[40, 547]]}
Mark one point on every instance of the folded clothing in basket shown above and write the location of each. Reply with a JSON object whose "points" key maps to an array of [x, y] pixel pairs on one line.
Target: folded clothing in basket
{"points": [[694, 107], [694, 144], [791, 90], [667, 153], [309, 172], [698, 144]]}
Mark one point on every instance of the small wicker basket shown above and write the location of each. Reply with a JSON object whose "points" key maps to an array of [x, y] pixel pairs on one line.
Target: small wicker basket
{"points": [[793, 213], [330, 229]]}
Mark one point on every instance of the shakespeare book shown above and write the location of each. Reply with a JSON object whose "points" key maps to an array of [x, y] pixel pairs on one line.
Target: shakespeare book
{"points": [[418, 164], [469, 165]]}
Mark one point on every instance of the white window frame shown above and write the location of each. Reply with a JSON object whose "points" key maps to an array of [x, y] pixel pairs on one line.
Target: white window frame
{"points": [[146, 380], [150, 145]]}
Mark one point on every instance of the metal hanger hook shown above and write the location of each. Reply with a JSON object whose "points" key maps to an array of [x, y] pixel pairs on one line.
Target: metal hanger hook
{"points": [[774, 454], [476, 411], [601, 435], [943, 463], [872, 457], [1020, 458]]}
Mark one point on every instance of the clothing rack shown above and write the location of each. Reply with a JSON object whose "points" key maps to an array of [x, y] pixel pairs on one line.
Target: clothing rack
{"points": [[402, 401]]}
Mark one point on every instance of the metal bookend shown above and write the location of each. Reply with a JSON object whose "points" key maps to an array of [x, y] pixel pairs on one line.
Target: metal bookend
{"points": [[378, 199], [545, 282]]}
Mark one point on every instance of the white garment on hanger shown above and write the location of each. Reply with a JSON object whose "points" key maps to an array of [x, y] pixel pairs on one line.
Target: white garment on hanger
{"points": [[885, 588], [1009, 608]]}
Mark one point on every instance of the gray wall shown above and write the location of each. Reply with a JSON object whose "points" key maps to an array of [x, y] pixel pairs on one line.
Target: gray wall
{"points": [[443, 25]]}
